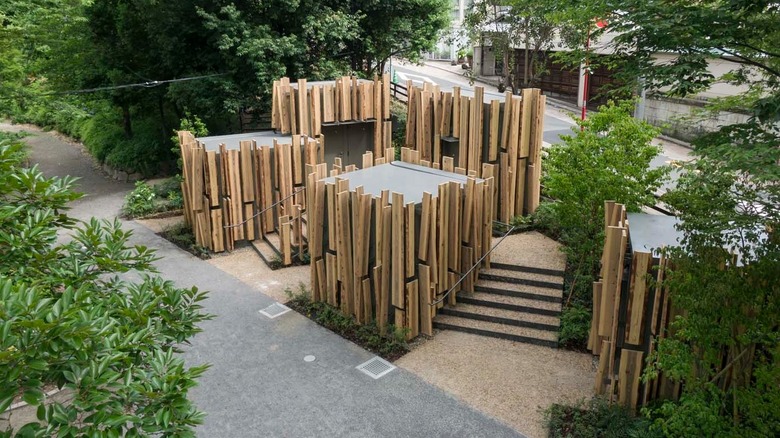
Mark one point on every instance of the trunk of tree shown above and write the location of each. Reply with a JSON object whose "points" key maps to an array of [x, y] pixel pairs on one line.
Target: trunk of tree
{"points": [[127, 123], [507, 69], [526, 67], [161, 108]]}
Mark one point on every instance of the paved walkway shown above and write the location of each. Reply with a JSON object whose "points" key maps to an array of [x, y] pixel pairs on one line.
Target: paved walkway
{"points": [[259, 385]]}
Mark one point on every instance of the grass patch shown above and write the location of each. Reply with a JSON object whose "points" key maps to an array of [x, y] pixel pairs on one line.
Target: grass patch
{"points": [[182, 236], [595, 418], [389, 346]]}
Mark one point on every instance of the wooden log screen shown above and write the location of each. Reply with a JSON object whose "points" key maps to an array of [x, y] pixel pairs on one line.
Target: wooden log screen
{"points": [[301, 108], [381, 258], [226, 190], [502, 139], [631, 311]]}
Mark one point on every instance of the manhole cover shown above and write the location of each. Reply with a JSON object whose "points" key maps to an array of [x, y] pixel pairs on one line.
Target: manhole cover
{"points": [[376, 367], [275, 310]]}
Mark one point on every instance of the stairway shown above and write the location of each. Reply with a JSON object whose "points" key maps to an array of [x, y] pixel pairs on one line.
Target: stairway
{"points": [[510, 301]]}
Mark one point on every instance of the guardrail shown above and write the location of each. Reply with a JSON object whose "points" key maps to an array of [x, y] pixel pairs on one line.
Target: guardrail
{"points": [[399, 91]]}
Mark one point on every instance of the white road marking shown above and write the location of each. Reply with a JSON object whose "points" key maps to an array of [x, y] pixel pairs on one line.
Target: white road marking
{"points": [[410, 76]]}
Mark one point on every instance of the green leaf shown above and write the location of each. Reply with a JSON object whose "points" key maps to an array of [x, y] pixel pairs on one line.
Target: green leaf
{"points": [[33, 396]]}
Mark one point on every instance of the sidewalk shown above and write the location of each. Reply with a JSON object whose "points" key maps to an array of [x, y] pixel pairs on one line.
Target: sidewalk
{"points": [[259, 383]]}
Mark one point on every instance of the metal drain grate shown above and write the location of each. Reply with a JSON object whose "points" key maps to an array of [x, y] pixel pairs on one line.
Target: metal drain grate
{"points": [[275, 310], [376, 367]]}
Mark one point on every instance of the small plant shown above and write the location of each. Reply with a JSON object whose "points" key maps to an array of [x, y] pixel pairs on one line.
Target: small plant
{"points": [[275, 262], [192, 123], [595, 418], [391, 345], [140, 201], [575, 327], [175, 200], [181, 235]]}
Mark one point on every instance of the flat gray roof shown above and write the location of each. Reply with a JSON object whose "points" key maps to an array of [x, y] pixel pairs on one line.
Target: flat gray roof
{"points": [[651, 232], [408, 179], [263, 138]]}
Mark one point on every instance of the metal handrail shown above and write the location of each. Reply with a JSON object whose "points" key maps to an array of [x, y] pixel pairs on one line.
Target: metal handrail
{"points": [[460, 280], [302, 189]]}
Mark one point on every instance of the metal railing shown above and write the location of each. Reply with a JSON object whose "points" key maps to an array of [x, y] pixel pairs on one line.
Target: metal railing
{"points": [[475, 265]]}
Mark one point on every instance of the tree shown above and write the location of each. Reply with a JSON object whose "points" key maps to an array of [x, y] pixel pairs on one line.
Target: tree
{"points": [[608, 159], [67, 319], [725, 344], [509, 25], [401, 28]]}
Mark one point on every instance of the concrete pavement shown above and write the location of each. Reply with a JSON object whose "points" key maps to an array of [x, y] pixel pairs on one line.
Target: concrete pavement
{"points": [[259, 384]]}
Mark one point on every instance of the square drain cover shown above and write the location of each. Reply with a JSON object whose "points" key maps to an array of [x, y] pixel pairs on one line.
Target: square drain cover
{"points": [[275, 310], [376, 367]]}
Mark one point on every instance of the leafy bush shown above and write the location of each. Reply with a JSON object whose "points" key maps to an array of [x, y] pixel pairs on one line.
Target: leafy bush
{"points": [[398, 113], [595, 418], [140, 201], [70, 321], [575, 327]]}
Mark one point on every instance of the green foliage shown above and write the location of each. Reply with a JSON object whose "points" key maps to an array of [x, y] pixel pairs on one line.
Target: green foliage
{"points": [[398, 112], [140, 201], [146, 199], [575, 327], [608, 159], [520, 23], [725, 277], [595, 418], [390, 345], [181, 235], [70, 320]]}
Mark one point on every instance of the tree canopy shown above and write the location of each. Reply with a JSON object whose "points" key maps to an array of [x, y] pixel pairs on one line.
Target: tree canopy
{"points": [[221, 56], [726, 341]]}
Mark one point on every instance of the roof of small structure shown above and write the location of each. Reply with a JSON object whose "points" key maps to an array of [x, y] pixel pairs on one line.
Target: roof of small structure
{"points": [[651, 232], [263, 138], [407, 179]]}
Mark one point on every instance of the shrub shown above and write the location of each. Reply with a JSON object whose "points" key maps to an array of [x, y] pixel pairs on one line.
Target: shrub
{"points": [[398, 113], [140, 201], [595, 418], [608, 159], [71, 319], [181, 235], [575, 327]]}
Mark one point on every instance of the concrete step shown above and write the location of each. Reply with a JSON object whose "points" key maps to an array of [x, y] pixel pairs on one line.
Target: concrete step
{"points": [[553, 282], [552, 293], [500, 301], [266, 252], [503, 316], [527, 269], [519, 291], [513, 307], [496, 330]]}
